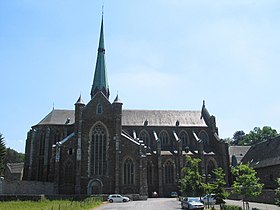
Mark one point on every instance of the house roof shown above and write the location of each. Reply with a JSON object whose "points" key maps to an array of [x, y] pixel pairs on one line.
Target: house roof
{"points": [[238, 151], [134, 118], [15, 167], [264, 154]]}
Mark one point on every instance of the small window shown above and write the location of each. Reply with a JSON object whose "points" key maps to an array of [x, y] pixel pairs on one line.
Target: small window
{"points": [[70, 151], [99, 109]]}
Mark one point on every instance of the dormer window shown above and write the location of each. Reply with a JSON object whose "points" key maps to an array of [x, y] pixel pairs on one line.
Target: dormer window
{"points": [[99, 109]]}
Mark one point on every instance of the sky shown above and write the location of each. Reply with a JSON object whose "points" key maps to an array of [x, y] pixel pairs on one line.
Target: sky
{"points": [[160, 54]]}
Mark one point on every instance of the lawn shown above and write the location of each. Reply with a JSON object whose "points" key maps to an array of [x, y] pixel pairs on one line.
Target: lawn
{"points": [[51, 205]]}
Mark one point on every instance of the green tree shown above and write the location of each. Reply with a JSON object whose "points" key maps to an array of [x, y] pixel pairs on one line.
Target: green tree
{"points": [[257, 135], [238, 136], [246, 182], [217, 187], [277, 192], [12, 156], [191, 184], [2, 153]]}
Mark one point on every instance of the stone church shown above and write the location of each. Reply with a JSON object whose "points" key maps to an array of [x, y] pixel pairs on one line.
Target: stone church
{"points": [[100, 148]]}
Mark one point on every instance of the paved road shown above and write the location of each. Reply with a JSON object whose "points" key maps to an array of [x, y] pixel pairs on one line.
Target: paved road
{"points": [[261, 206], [170, 204], [151, 204]]}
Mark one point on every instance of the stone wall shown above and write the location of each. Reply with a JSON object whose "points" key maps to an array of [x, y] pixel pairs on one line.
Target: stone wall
{"points": [[26, 187]]}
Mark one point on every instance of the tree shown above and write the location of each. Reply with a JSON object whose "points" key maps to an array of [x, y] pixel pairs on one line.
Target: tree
{"points": [[191, 184], [246, 182], [238, 136], [2, 153], [277, 192], [217, 187], [12, 156], [257, 135]]}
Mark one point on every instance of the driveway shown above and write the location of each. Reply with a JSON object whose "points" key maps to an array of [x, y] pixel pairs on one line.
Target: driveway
{"points": [[150, 204], [261, 206], [170, 204]]}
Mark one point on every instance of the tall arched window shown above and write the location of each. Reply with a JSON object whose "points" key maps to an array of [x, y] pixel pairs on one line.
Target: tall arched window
{"points": [[204, 137], [210, 167], [99, 109], [128, 171], [144, 135], [150, 172], [184, 138], [168, 172], [98, 150], [164, 138], [68, 172], [42, 143]]}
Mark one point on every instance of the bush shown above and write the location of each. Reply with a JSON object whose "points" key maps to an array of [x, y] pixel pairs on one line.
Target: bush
{"points": [[231, 207]]}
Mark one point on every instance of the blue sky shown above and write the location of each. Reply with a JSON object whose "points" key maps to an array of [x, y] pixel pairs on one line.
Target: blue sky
{"points": [[160, 54]]}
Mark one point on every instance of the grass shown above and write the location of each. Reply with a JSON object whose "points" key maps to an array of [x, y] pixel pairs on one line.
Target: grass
{"points": [[86, 204]]}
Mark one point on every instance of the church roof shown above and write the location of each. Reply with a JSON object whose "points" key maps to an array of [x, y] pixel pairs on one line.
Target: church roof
{"points": [[162, 118], [134, 118], [264, 154], [59, 117]]}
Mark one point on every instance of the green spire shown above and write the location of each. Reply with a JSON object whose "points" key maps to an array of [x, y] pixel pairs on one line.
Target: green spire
{"points": [[100, 81]]}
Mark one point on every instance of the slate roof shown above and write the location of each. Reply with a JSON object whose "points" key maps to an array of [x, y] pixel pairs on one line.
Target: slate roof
{"points": [[264, 154], [15, 167], [59, 117], [134, 118], [162, 118], [238, 151]]}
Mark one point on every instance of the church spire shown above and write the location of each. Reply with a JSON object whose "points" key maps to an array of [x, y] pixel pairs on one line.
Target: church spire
{"points": [[100, 81]]}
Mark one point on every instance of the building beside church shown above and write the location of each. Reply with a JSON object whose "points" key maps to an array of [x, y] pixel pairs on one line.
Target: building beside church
{"points": [[101, 148]]}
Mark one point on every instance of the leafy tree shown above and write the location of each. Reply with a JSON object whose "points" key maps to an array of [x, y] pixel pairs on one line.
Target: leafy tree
{"points": [[246, 182], [257, 135], [238, 136], [277, 192], [12, 156], [191, 184], [217, 187], [2, 153]]}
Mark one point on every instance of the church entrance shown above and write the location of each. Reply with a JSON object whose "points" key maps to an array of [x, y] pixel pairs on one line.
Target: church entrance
{"points": [[95, 187]]}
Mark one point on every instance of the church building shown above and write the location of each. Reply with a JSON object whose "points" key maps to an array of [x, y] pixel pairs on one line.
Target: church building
{"points": [[101, 148]]}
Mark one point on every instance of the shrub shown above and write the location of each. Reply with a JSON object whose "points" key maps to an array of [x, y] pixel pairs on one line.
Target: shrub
{"points": [[231, 207]]}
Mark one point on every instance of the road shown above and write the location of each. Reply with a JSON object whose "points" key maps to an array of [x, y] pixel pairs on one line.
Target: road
{"points": [[260, 206], [151, 204], [170, 204]]}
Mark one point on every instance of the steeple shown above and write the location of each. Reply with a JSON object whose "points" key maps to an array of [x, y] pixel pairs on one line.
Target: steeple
{"points": [[100, 81]]}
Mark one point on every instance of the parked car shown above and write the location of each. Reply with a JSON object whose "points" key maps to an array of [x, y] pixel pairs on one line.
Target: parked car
{"points": [[174, 194], [192, 203], [117, 198], [209, 198]]}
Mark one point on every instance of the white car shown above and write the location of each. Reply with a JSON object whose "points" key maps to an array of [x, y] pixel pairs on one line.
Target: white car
{"points": [[208, 199], [117, 198], [192, 203]]}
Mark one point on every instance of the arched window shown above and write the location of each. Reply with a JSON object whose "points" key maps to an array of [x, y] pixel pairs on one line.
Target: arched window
{"points": [[68, 173], [204, 137], [184, 138], [128, 172], [164, 138], [98, 150], [168, 168], [144, 135], [210, 167], [150, 173], [99, 109]]}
